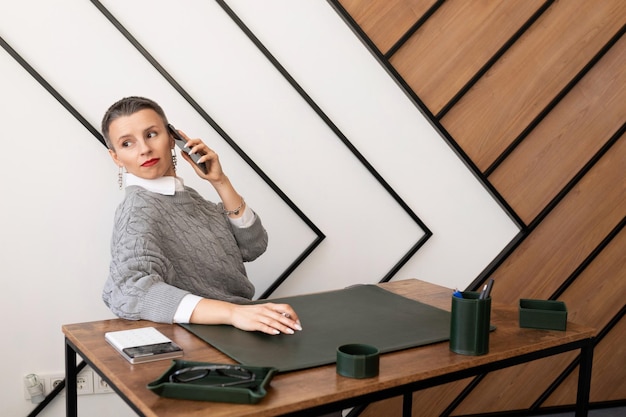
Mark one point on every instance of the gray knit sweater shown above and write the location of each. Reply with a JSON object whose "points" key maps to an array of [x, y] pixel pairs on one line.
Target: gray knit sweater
{"points": [[165, 247]]}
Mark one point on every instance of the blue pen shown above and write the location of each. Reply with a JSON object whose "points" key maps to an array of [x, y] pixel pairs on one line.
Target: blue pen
{"points": [[457, 293]]}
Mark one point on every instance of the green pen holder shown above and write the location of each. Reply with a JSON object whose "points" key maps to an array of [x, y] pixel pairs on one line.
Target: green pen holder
{"points": [[469, 324], [542, 314]]}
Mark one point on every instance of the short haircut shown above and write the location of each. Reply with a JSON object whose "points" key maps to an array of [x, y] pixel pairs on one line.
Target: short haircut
{"points": [[126, 107]]}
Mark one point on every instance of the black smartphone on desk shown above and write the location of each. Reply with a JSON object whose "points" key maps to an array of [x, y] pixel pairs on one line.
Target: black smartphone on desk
{"points": [[182, 144]]}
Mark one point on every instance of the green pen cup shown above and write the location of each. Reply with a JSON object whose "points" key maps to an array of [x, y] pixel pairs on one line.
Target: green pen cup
{"points": [[469, 324]]}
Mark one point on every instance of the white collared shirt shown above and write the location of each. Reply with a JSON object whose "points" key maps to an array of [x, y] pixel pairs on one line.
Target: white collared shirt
{"points": [[163, 185], [168, 186]]}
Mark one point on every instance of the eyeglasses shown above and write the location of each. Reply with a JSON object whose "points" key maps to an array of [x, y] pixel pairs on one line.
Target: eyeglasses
{"points": [[222, 375]]}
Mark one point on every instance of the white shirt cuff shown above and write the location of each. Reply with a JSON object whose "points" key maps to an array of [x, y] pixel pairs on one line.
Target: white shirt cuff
{"points": [[185, 308], [246, 219]]}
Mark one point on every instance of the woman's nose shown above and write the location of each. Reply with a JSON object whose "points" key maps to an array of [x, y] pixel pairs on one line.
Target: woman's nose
{"points": [[144, 147]]}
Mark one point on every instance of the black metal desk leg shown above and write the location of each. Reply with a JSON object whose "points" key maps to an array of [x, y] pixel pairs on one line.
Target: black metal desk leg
{"points": [[71, 396], [584, 380], [407, 404]]}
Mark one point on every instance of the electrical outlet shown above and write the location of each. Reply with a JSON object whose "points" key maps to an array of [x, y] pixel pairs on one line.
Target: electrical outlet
{"points": [[52, 381], [100, 386], [84, 383]]}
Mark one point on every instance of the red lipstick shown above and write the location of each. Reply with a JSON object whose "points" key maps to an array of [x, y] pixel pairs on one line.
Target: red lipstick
{"points": [[150, 162]]}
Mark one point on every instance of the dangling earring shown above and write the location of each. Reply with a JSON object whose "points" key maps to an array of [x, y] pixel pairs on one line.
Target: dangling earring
{"points": [[174, 159], [120, 178]]}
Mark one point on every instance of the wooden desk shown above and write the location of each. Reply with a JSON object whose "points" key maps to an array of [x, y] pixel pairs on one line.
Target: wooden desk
{"points": [[320, 390]]}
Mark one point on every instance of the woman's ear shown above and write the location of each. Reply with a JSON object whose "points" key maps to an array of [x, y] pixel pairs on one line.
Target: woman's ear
{"points": [[114, 158]]}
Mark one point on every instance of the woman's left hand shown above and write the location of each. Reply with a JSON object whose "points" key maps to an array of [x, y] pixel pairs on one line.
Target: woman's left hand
{"points": [[214, 174], [207, 156]]}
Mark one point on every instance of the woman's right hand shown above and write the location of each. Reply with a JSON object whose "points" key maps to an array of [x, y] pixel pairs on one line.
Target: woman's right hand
{"points": [[269, 318]]}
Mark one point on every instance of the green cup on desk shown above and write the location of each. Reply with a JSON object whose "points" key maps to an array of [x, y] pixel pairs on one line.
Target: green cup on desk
{"points": [[357, 360], [469, 324]]}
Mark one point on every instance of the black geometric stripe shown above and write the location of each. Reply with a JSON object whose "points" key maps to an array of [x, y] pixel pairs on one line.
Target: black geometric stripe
{"points": [[48, 87], [427, 232], [230, 141], [435, 123]]}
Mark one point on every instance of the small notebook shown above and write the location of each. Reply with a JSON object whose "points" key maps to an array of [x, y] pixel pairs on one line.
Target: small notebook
{"points": [[143, 345]]}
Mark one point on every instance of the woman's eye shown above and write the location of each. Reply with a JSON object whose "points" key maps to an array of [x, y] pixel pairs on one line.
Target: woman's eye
{"points": [[151, 134], [126, 144]]}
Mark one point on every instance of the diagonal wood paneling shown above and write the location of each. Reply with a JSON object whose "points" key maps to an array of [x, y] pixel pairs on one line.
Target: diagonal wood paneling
{"points": [[502, 104], [573, 132], [569, 234], [542, 112], [608, 379], [598, 294], [386, 21], [543, 261], [515, 389], [455, 43], [429, 402], [505, 85]]}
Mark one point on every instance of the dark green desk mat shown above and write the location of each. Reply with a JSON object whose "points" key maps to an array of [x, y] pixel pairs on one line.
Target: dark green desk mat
{"points": [[360, 314]]}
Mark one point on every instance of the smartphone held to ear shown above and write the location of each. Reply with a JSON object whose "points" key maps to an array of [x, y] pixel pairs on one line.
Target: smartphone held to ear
{"points": [[182, 144]]}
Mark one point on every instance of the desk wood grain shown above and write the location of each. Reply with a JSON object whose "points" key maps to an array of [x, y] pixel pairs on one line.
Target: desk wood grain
{"points": [[294, 391]]}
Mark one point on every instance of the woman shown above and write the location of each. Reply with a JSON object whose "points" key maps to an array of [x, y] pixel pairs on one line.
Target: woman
{"points": [[176, 257]]}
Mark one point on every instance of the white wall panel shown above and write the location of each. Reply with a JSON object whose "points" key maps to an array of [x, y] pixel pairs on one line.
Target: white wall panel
{"points": [[57, 198], [70, 49], [347, 82], [366, 231], [60, 189]]}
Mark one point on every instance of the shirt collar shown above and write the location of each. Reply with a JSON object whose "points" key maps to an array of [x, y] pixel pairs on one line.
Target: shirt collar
{"points": [[163, 185]]}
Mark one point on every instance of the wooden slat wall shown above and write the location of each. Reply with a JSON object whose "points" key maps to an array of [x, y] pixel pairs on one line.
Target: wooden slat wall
{"points": [[458, 41], [578, 127], [534, 93], [376, 17], [521, 84]]}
